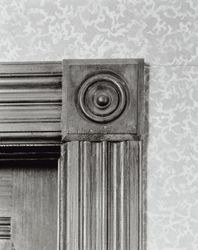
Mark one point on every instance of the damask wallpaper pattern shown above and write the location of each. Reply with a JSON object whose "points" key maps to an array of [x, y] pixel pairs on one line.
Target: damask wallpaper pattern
{"points": [[165, 34]]}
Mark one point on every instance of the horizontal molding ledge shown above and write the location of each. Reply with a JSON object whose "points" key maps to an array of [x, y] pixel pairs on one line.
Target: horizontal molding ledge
{"points": [[30, 102], [101, 137], [34, 109]]}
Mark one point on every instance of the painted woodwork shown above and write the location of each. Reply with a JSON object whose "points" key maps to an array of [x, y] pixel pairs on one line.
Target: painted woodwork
{"points": [[91, 112]]}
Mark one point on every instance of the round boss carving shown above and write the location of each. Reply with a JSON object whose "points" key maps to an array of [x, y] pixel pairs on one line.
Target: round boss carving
{"points": [[102, 98]]}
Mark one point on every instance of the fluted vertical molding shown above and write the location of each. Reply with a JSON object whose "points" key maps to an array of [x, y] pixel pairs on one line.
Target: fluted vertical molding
{"points": [[101, 182], [122, 191], [92, 200]]}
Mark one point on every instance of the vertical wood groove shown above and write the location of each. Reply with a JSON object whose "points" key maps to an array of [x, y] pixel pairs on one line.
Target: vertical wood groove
{"points": [[141, 193], [102, 204]]}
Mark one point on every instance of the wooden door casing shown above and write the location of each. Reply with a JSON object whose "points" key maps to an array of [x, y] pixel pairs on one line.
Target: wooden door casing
{"points": [[92, 111]]}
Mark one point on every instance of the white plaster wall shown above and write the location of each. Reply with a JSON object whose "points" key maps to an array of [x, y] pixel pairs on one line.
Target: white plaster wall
{"points": [[165, 33]]}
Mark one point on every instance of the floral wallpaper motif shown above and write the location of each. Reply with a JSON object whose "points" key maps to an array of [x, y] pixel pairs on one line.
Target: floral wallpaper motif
{"points": [[161, 31], [173, 159], [165, 34]]}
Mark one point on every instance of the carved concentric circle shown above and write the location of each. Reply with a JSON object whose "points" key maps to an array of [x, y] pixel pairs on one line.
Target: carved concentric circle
{"points": [[102, 97]]}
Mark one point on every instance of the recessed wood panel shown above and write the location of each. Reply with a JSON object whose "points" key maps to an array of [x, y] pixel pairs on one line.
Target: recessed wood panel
{"points": [[29, 192]]}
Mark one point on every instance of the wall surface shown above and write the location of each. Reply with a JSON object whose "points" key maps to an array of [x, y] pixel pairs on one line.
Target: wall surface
{"points": [[165, 34]]}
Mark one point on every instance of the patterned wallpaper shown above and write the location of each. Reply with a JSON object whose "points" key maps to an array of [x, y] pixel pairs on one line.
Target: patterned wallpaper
{"points": [[173, 158], [165, 33]]}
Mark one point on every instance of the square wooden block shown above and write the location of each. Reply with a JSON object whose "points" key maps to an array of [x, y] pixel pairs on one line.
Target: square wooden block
{"points": [[102, 96]]}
